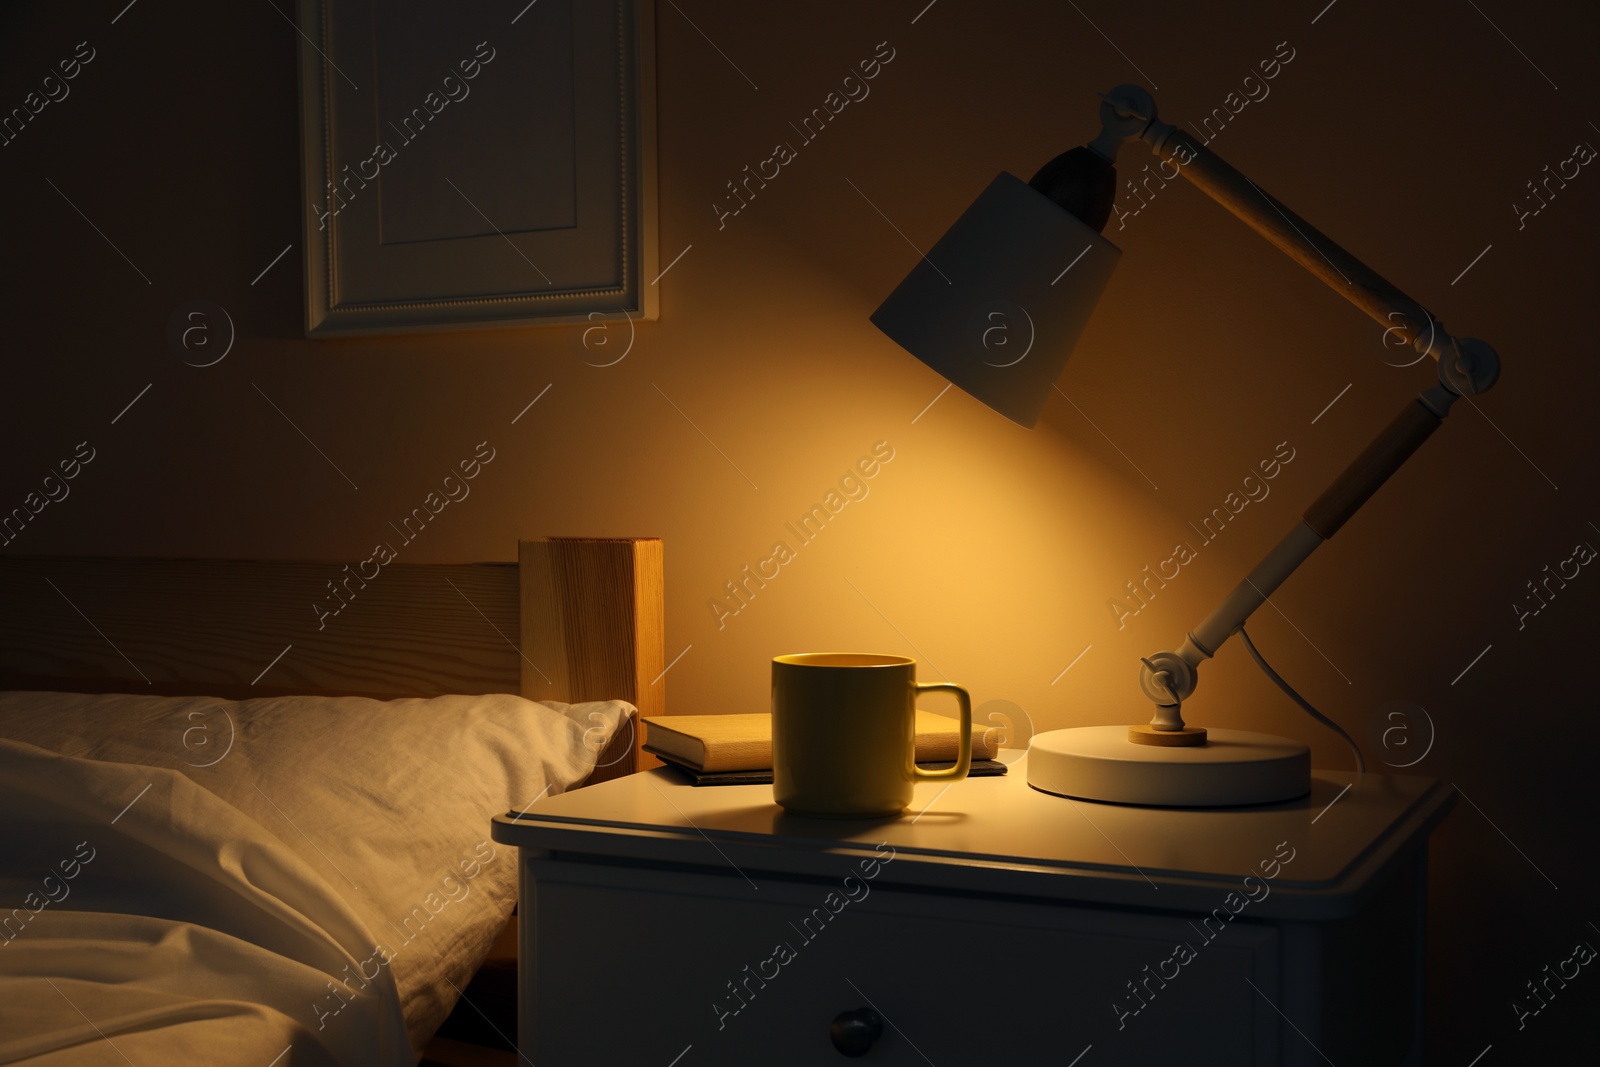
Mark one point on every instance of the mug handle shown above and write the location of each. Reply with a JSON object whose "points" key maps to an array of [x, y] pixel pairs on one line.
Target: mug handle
{"points": [[963, 742]]}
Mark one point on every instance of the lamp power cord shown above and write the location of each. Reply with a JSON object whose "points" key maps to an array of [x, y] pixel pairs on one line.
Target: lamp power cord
{"points": [[1305, 705]]}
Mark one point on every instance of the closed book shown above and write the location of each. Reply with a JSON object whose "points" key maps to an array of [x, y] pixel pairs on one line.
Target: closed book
{"points": [[713, 743], [981, 768]]}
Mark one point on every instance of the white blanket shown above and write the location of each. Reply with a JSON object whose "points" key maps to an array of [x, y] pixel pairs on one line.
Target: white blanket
{"points": [[292, 864], [185, 934]]}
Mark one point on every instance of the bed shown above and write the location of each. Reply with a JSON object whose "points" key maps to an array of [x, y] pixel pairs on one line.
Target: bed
{"points": [[244, 806]]}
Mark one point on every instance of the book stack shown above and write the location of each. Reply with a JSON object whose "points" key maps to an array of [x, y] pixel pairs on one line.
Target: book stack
{"points": [[737, 749]]}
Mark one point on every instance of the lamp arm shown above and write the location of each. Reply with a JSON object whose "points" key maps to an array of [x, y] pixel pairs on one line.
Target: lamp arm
{"points": [[1169, 678], [1127, 112], [1342, 272], [1465, 367]]}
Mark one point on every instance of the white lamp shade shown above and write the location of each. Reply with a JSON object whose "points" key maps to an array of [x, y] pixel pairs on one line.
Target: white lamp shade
{"points": [[998, 303]]}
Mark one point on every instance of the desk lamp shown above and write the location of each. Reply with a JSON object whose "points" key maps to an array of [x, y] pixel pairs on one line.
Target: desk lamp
{"points": [[1029, 258]]}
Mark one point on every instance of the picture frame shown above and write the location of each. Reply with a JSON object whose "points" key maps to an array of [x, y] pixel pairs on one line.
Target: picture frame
{"points": [[473, 167]]}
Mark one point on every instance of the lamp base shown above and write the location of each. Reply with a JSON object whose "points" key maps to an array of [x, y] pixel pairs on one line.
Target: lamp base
{"points": [[1233, 767]]}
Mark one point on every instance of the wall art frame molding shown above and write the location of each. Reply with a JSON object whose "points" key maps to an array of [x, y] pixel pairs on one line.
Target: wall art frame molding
{"points": [[467, 168]]}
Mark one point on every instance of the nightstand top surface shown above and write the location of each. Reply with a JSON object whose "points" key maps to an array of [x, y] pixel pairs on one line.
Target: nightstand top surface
{"points": [[998, 834]]}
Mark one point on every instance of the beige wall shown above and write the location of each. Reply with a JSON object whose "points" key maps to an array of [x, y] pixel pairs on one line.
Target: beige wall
{"points": [[1406, 131]]}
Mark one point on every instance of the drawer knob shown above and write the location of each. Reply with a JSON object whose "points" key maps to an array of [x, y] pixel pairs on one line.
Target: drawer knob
{"points": [[853, 1032]]}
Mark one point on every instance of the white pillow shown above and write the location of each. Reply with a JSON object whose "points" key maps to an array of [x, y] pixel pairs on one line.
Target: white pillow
{"points": [[389, 800]]}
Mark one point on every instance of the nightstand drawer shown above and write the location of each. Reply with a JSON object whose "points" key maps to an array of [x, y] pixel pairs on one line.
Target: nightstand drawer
{"points": [[756, 973]]}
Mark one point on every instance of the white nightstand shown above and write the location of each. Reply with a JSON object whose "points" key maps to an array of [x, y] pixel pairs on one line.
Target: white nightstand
{"points": [[991, 923]]}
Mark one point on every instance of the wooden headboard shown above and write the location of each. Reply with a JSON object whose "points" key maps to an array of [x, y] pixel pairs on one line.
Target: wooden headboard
{"points": [[573, 619]]}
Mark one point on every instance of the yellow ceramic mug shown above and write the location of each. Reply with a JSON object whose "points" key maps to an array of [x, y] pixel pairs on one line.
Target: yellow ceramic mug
{"points": [[843, 731]]}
